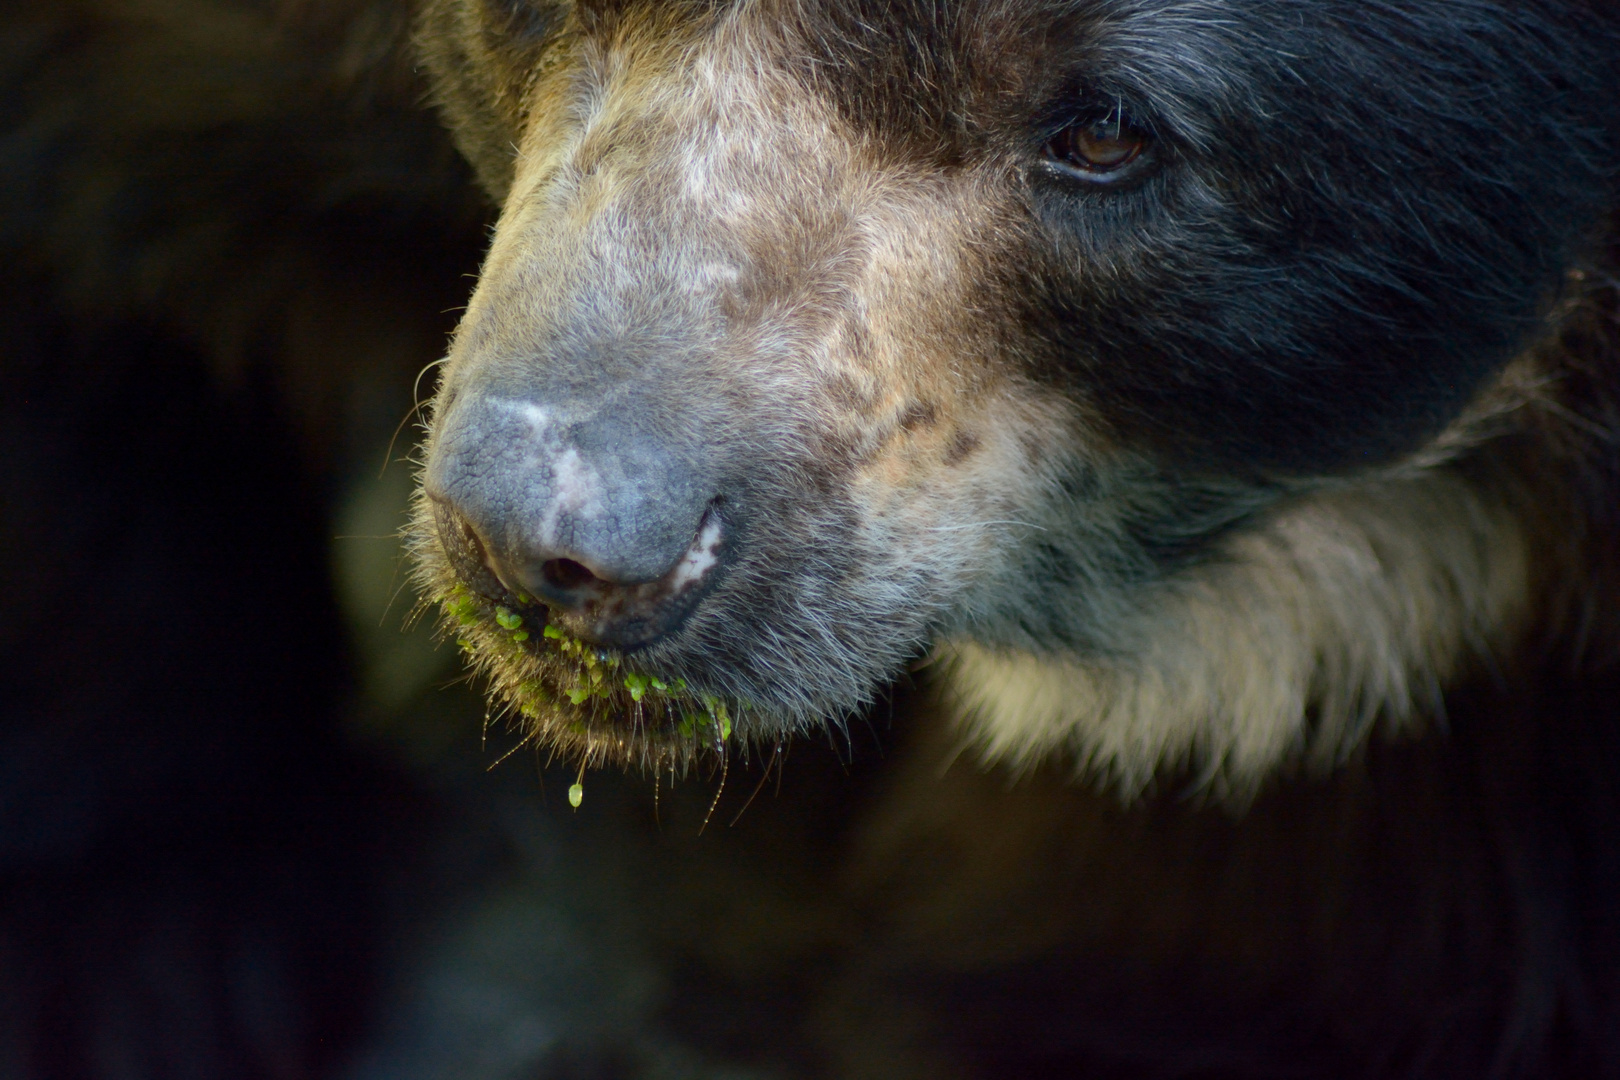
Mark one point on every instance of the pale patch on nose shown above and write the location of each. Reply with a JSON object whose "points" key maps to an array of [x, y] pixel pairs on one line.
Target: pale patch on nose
{"points": [[699, 558], [538, 418], [576, 492], [576, 487], [537, 441]]}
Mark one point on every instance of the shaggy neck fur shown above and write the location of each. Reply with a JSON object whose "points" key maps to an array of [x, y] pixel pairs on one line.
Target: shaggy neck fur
{"points": [[1341, 609], [1291, 641]]}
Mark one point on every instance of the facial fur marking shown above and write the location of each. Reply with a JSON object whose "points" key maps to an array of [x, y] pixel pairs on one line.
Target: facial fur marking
{"points": [[1357, 605], [919, 414], [700, 558], [962, 445]]}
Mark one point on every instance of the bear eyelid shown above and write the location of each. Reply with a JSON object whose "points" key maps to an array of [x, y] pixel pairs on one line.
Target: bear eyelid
{"points": [[1104, 147]]}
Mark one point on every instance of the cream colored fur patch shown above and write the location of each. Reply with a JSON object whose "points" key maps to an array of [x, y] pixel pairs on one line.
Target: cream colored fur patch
{"points": [[1335, 612]]}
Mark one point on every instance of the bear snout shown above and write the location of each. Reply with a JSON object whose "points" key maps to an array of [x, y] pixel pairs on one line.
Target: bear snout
{"points": [[592, 511]]}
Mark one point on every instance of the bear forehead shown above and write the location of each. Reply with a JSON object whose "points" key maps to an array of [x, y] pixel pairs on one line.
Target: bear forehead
{"points": [[942, 66], [938, 65], [1234, 84]]}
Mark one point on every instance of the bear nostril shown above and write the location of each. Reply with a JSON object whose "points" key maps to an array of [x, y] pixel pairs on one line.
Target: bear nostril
{"points": [[467, 553], [566, 574], [617, 610]]}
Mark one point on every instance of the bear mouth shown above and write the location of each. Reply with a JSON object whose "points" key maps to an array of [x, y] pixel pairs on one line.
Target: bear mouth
{"points": [[594, 703]]}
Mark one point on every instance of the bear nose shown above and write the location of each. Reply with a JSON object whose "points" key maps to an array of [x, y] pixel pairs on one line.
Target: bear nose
{"points": [[600, 515]]}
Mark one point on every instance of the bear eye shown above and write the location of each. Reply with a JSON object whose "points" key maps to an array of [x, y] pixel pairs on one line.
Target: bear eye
{"points": [[1101, 149]]}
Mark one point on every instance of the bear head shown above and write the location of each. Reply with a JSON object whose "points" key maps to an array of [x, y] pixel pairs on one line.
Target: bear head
{"points": [[1126, 358]]}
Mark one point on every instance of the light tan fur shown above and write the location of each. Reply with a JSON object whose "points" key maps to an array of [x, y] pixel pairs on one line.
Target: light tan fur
{"points": [[1338, 609]]}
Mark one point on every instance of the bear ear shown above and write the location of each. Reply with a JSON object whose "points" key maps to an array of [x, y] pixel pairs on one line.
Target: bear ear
{"points": [[515, 22], [480, 55]]}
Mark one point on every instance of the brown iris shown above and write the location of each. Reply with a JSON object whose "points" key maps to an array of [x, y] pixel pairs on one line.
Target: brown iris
{"points": [[1101, 149]]}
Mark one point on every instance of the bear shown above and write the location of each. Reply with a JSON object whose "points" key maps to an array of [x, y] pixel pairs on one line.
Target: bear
{"points": [[1181, 433], [1229, 600], [1209, 409]]}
